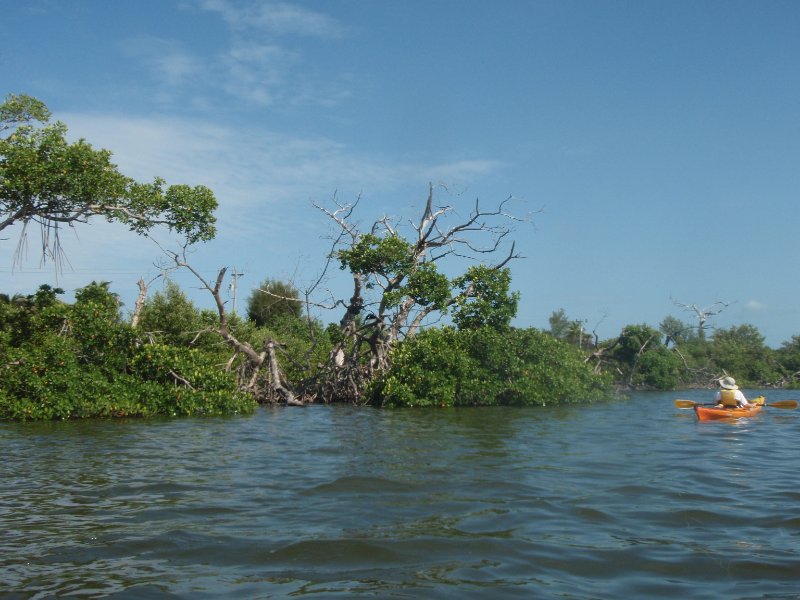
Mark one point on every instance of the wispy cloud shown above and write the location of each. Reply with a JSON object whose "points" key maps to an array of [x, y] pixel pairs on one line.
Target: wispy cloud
{"points": [[171, 64], [263, 64], [257, 72], [277, 18], [256, 171]]}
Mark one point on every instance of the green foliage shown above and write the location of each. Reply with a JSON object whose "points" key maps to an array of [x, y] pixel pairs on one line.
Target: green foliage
{"points": [[268, 303], [194, 386], [21, 316], [559, 324], [392, 258], [740, 350], [380, 255], [408, 281], [676, 331], [170, 316], [81, 360], [426, 286], [486, 366], [634, 340], [641, 359], [334, 333], [568, 330], [788, 356], [659, 369], [104, 341], [486, 300], [45, 380], [46, 179], [21, 108], [45, 296], [426, 371]]}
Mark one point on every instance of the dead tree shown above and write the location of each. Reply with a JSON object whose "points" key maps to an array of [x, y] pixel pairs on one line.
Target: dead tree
{"points": [[397, 285], [703, 314], [141, 298]]}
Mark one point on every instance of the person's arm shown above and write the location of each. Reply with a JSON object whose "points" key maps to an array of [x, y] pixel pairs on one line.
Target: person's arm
{"points": [[741, 400]]}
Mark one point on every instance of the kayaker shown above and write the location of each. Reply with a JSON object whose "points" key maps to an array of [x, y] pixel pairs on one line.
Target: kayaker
{"points": [[730, 396]]}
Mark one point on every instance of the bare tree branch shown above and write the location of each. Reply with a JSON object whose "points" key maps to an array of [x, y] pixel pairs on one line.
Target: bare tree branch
{"points": [[703, 313]]}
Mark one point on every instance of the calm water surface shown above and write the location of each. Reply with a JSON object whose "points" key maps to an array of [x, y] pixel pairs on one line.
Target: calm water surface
{"points": [[633, 499]]}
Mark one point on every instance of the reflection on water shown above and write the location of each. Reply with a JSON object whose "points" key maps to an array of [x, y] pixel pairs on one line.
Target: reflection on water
{"points": [[629, 499]]}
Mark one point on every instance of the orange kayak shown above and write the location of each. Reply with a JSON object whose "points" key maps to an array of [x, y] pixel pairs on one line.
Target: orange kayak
{"points": [[710, 413]]}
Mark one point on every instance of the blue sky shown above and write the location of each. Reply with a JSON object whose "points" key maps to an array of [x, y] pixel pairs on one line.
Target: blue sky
{"points": [[655, 144]]}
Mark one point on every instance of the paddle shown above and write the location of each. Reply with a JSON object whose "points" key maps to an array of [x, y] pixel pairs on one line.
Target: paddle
{"points": [[779, 404]]}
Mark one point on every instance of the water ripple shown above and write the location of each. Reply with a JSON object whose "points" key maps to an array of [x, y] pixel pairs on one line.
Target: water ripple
{"points": [[571, 502]]}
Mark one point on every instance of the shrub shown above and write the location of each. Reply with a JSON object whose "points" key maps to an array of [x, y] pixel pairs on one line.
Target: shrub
{"points": [[82, 361], [485, 366]]}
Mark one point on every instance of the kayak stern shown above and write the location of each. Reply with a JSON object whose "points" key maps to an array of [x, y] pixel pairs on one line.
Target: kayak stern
{"points": [[713, 413]]}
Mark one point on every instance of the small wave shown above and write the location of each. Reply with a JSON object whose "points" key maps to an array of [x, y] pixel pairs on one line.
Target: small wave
{"points": [[359, 485]]}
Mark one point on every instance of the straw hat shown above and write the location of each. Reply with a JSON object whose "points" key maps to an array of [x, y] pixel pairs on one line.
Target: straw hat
{"points": [[729, 383]]}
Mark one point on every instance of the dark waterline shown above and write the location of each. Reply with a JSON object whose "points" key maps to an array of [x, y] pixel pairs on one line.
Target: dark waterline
{"points": [[633, 499]]}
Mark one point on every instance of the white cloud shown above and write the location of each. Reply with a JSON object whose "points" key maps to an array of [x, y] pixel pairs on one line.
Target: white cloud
{"points": [[755, 306], [255, 171]]}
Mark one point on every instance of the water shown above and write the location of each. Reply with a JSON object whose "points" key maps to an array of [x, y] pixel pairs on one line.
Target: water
{"points": [[633, 499]]}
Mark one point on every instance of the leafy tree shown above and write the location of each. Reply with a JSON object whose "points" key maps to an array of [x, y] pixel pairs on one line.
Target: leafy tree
{"points": [[170, 316], [19, 313], [20, 109], [398, 289], [569, 330], [641, 359], [559, 324], [46, 180], [658, 368], [489, 301], [634, 340], [740, 350], [95, 326], [788, 356], [272, 301], [676, 331]]}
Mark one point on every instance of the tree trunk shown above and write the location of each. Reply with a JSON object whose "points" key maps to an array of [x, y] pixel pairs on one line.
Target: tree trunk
{"points": [[137, 308], [275, 376]]}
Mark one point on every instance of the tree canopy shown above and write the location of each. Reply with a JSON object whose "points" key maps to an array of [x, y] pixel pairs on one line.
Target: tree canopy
{"points": [[273, 300], [52, 182]]}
